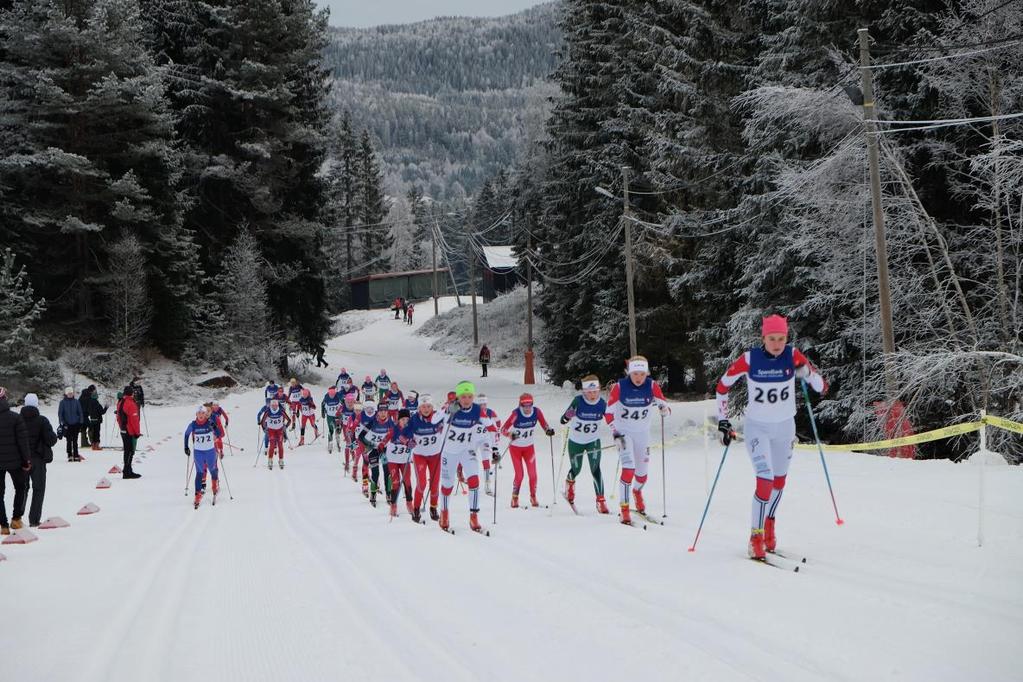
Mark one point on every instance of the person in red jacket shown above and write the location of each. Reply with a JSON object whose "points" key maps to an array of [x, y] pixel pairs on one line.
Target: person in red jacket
{"points": [[131, 429], [520, 427]]}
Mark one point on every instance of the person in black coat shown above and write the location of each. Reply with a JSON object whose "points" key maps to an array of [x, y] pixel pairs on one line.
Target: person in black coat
{"points": [[14, 460], [41, 440], [137, 392], [83, 399], [94, 412]]}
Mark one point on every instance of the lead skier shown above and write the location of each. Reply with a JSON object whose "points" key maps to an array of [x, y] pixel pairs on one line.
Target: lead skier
{"points": [[204, 432], [459, 450]]}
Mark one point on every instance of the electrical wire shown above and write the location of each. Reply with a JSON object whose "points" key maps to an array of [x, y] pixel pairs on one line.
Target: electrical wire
{"points": [[942, 57], [943, 124]]}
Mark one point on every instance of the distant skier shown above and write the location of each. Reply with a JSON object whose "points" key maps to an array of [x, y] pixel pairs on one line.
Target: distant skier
{"points": [[583, 418], [219, 415], [307, 408], [294, 396], [427, 427], [344, 381], [520, 427], [394, 398], [204, 431], [274, 421], [411, 401], [348, 421], [489, 437], [374, 432], [770, 426], [399, 456], [459, 450], [369, 389], [270, 392], [630, 409], [411, 309], [383, 384]]}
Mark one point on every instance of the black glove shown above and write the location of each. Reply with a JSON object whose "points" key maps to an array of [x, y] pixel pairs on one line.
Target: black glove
{"points": [[549, 432], [564, 419], [187, 451], [60, 431], [727, 434], [495, 454]]}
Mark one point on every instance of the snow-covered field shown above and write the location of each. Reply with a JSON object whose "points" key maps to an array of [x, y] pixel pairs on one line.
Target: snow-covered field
{"points": [[298, 578]]}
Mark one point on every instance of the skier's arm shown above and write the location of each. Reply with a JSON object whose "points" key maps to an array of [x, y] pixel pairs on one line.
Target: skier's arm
{"points": [[218, 430], [188, 433], [543, 422], [227, 420], [614, 408], [736, 371], [660, 400], [508, 424], [805, 370], [569, 411]]}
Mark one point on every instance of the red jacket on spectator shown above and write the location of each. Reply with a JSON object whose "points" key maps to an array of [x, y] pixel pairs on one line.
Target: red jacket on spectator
{"points": [[128, 416]]}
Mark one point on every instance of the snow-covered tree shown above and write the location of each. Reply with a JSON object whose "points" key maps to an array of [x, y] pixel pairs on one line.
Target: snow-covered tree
{"points": [[19, 311], [127, 292]]}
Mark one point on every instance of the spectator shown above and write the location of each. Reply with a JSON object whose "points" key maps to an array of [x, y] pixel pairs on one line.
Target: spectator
{"points": [[14, 460], [83, 400], [138, 393], [41, 440], [411, 309], [94, 417], [404, 310], [128, 421], [320, 350], [484, 358], [397, 307], [71, 420]]}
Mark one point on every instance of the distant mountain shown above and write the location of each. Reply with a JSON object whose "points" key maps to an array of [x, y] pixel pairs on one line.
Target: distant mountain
{"points": [[450, 99]]}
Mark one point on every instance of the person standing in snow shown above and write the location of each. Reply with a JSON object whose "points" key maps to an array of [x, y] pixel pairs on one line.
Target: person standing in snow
{"points": [[70, 420], [411, 309], [630, 410], [484, 359], [131, 428], [274, 421], [307, 407], [427, 425], [15, 461], [204, 431], [320, 362], [41, 440], [520, 427], [94, 412], [770, 426], [459, 450], [84, 398], [583, 417]]}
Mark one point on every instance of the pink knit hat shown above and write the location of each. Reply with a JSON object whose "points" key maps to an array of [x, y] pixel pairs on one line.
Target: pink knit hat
{"points": [[774, 324]]}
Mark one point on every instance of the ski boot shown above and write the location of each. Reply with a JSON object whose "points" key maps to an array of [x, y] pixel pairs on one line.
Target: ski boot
{"points": [[637, 495], [365, 487], [373, 498], [515, 501], [198, 499], [216, 487], [756, 545], [330, 448], [416, 517], [434, 516], [601, 505], [280, 462], [770, 541], [626, 515], [394, 509], [533, 501], [443, 520], [301, 440], [570, 491], [270, 463], [474, 522], [408, 505]]}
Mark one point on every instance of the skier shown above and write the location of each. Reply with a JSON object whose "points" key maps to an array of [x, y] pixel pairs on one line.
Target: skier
{"points": [[307, 406], [770, 426], [294, 395], [259, 422], [204, 431], [459, 450], [583, 418], [374, 432], [383, 385], [344, 381], [629, 412], [270, 392], [217, 413], [487, 448], [348, 421], [394, 398], [519, 427], [369, 389], [427, 425], [411, 401], [399, 453], [329, 408], [274, 421], [411, 309], [320, 362], [484, 359]]}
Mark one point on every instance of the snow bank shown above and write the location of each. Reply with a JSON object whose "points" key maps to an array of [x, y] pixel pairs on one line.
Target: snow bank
{"points": [[502, 326]]}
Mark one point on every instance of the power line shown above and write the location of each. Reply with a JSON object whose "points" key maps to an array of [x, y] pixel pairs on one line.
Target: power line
{"points": [[942, 57], [942, 123], [890, 49]]}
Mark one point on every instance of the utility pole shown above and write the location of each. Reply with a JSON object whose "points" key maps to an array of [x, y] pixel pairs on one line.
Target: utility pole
{"points": [[627, 220], [880, 244], [436, 309], [472, 289], [529, 377]]}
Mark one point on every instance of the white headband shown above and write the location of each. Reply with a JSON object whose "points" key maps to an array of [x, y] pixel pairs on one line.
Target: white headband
{"points": [[590, 385], [638, 366]]}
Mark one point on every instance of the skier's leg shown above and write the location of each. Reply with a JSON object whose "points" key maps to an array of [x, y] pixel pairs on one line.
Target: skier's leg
{"points": [[575, 459], [758, 445], [447, 478], [516, 457], [593, 454], [530, 459], [641, 452], [200, 470], [471, 468], [782, 440], [420, 463], [434, 464], [627, 455]]}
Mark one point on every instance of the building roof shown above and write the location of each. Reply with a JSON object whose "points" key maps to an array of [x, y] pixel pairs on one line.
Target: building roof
{"points": [[500, 258], [395, 275]]}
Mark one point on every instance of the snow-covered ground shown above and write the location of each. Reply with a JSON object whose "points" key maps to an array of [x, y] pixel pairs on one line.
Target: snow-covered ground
{"points": [[298, 578]]}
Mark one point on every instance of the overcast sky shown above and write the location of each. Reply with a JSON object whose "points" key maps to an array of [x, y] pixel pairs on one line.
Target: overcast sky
{"points": [[376, 12]]}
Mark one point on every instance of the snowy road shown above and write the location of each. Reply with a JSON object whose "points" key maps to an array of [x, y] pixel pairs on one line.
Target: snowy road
{"points": [[298, 578]]}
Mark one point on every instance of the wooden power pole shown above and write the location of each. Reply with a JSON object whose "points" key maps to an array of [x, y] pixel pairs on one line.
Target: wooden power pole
{"points": [[627, 220]]}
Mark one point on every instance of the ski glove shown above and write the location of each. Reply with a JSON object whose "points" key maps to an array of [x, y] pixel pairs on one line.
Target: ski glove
{"points": [[665, 410], [564, 419], [549, 432], [60, 431], [727, 434], [619, 438], [495, 455], [188, 452], [803, 371]]}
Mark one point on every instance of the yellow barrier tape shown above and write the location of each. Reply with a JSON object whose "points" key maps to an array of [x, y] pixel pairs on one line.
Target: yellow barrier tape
{"points": [[1005, 424], [925, 437]]}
